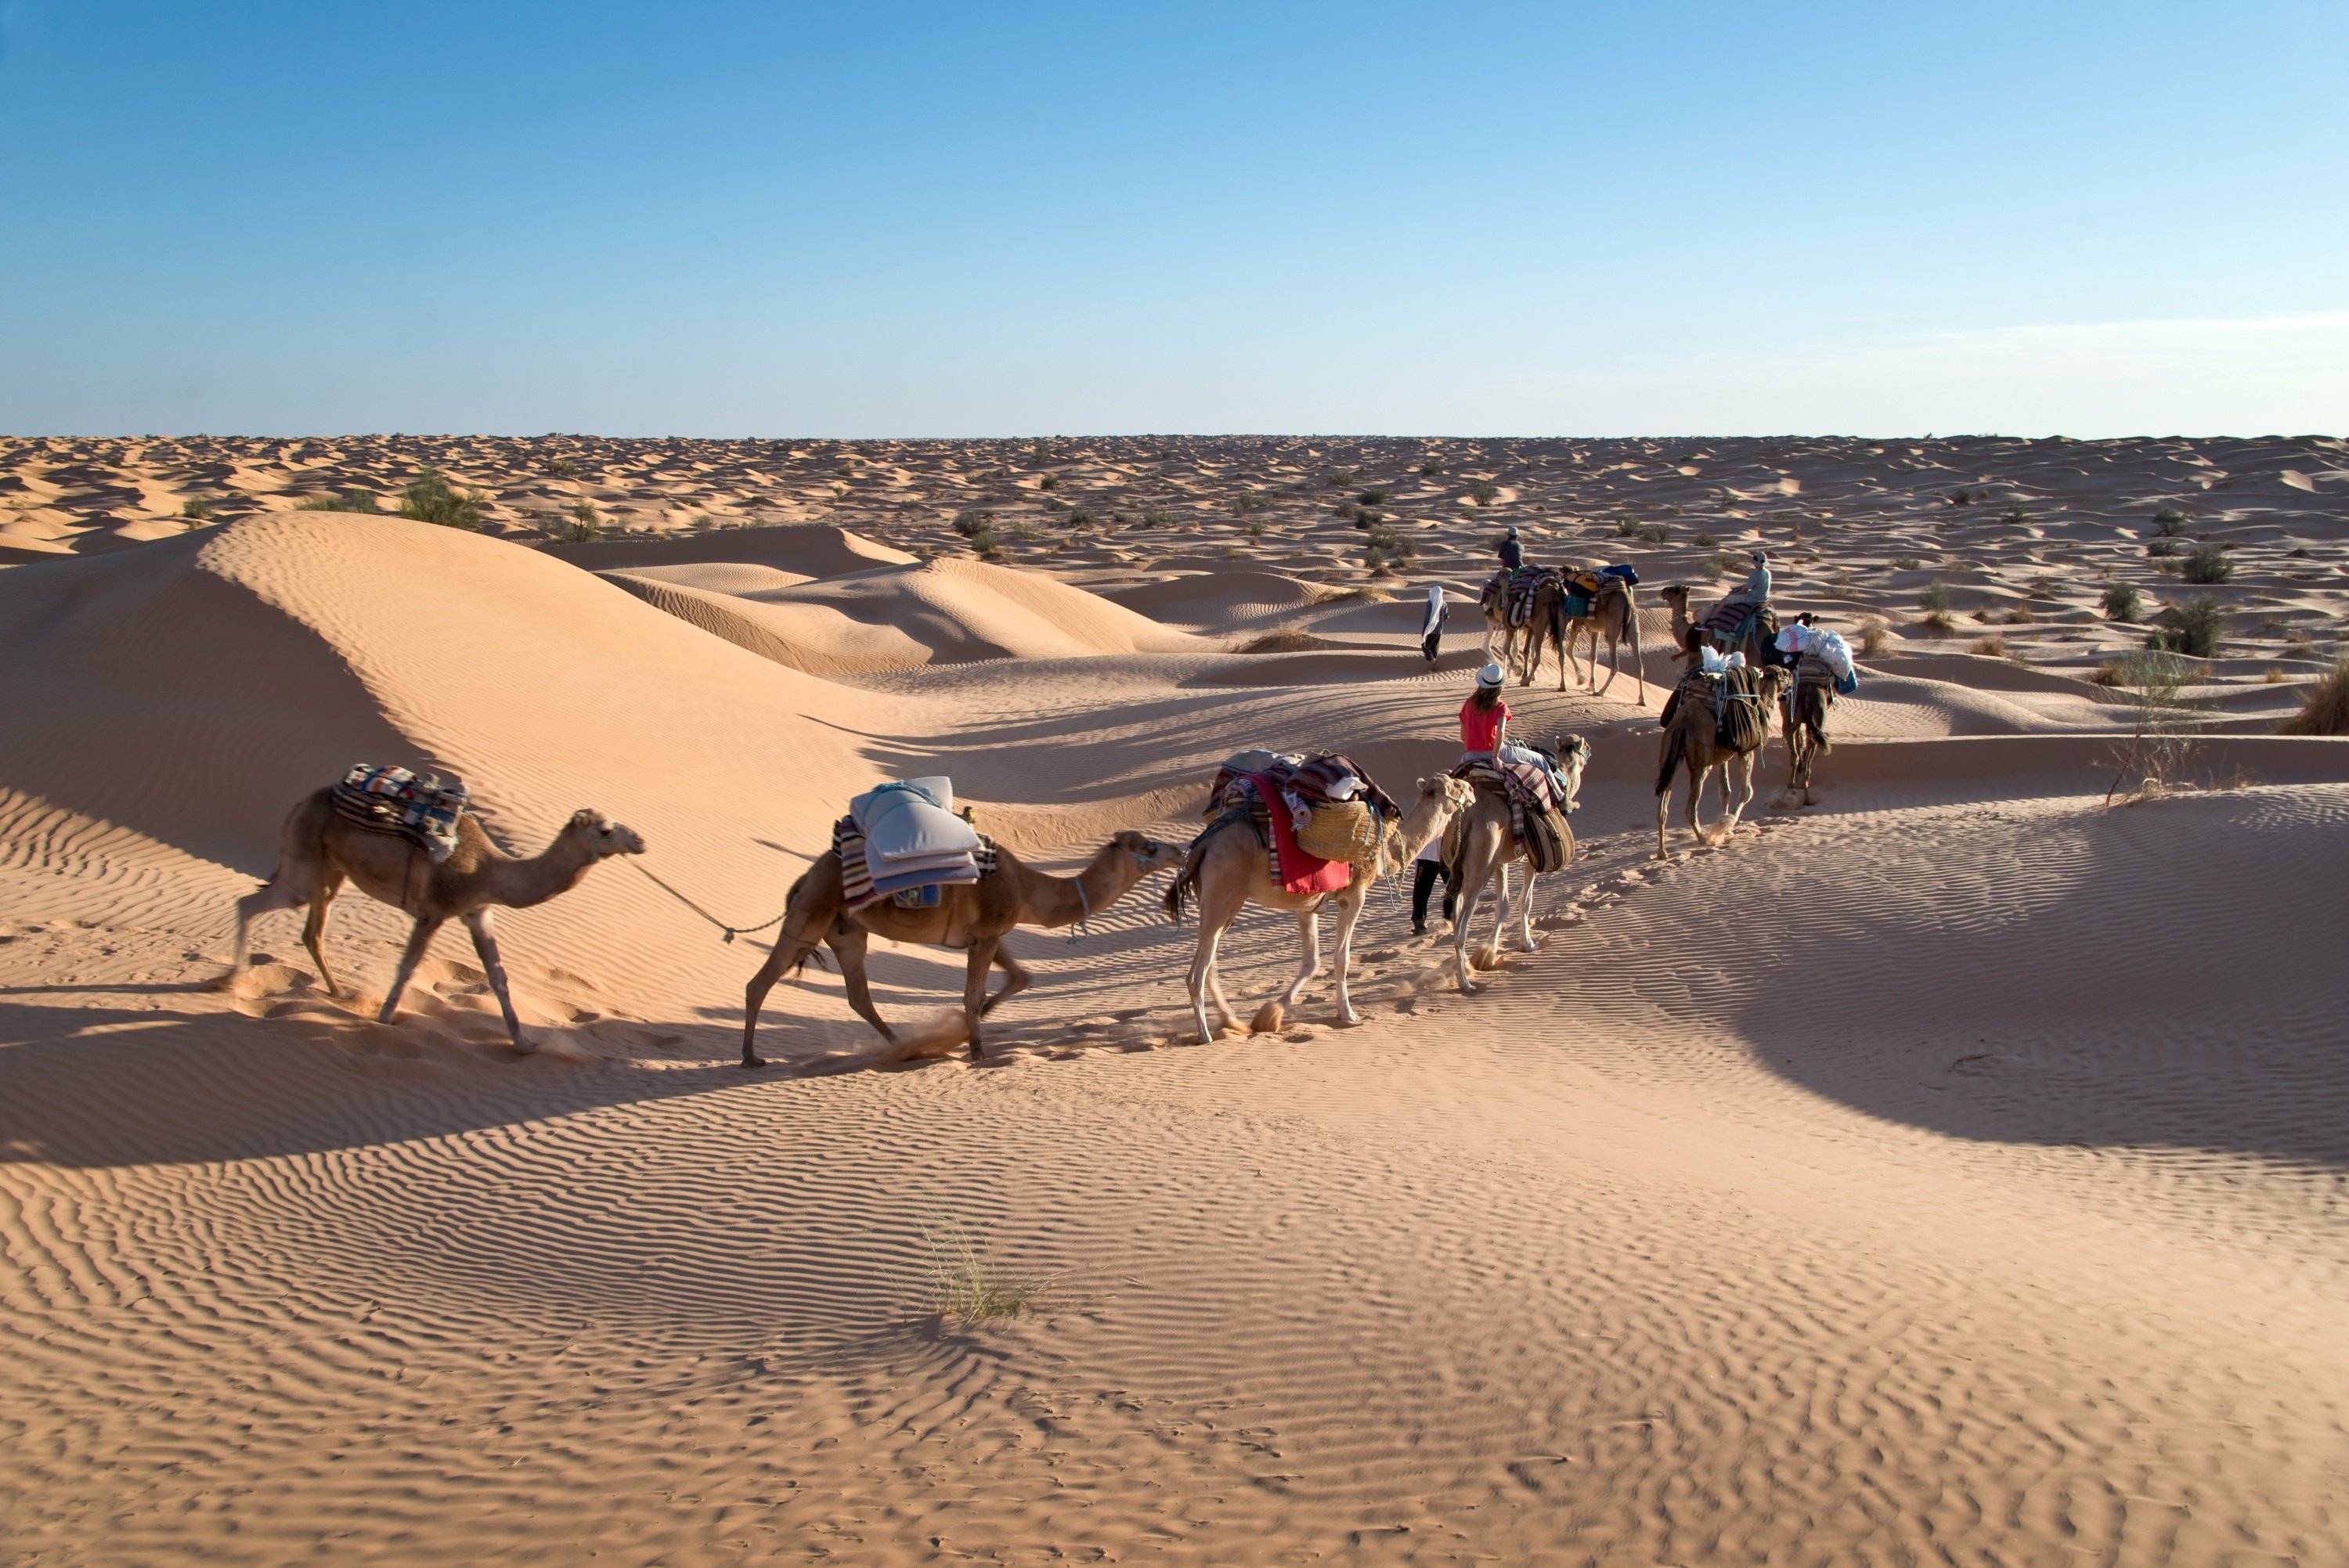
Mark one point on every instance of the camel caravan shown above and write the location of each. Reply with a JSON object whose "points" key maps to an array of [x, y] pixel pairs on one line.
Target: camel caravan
{"points": [[1300, 832]]}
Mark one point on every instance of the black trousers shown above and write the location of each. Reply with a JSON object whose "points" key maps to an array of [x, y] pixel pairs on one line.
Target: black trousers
{"points": [[1425, 873]]}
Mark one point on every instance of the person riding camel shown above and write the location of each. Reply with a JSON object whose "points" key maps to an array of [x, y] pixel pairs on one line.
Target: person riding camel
{"points": [[1485, 730], [1513, 554], [1754, 591]]}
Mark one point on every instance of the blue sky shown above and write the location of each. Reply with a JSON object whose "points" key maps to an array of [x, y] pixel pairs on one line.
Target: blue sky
{"points": [[872, 218]]}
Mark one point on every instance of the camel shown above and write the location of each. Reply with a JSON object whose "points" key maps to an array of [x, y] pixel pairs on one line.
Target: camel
{"points": [[320, 848], [1228, 870], [1509, 654], [972, 915], [1757, 645], [1613, 609], [1486, 845], [1691, 739], [1803, 710]]}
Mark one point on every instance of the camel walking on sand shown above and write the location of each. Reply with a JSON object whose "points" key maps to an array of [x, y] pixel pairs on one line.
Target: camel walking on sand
{"points": [[1757, 644], [972, 915], [1505, 644], [1481, 845], [1803, 710], [320, 849], [1228, 870], [1613, 612], [1691, 739]]}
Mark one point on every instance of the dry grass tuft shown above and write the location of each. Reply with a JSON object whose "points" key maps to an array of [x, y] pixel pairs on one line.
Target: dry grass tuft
{"points": [[1875, 636], [1992, 646], [2325, 709], [970, 1285], [1940, 621], [1281, 640]]}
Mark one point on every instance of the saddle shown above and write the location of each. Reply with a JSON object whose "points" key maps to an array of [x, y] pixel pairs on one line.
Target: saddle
{"points": [[856, 885], [1726, 623], [1535, 823], [425, 811], [1514, 591], [1734, 696]]}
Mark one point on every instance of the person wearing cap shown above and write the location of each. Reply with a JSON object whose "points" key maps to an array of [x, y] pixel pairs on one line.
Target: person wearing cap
{"points": [[1513, 554], [1484, 717]]}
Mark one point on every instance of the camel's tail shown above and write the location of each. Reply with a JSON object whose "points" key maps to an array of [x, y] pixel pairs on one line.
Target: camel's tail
{"points": [[1811, 713], [1675, 748], [1185, 883]]}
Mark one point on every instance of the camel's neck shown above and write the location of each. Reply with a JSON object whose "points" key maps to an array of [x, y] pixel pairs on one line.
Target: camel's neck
{"points": [[1422, 823], [519, 883], [1054, 902]]}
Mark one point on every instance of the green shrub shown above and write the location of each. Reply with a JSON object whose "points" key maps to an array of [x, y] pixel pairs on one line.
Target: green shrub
{"points": [[2191, 628], [430, 498], [2207, 564], [2325, 709], [2170, 524], [1372, 497], [971, 519], [2162, 545], [1430, 467], [2123, 602], [1907, 564], [349, 500], [587, 523], [196, 509], [1935, 599], [1484, 492], [1962, 498], [2017, 513], [1626, 527], [1653, 533]]}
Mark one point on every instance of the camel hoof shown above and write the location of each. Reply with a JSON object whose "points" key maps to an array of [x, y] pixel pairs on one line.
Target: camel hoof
{"points": [[524, 1046], [977, 1053], [750, 1063], [1349, 1020]]}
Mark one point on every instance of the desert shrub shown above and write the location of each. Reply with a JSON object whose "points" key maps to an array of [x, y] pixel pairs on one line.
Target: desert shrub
{"points": [[2019, 616], [196, 509], [586, 524], [1652, 534], [2157, 748], [1047, 481], [971, 519], [1940, 621], [1430, 466], [349, 500], [1039, 452], [2208, 563], [1723, 563], [2324, 710], [1907, 564], [562, 469], [1484, 492], [2108, 674], [2123, 602], [1626, 527], [2191, 628], [1281, 640], [1875, 636], [1079, 517], [1992, 646], [2161, 546], [1372, 497], [1705, 540], [2170, 524], [1251, 502], [430, 498], [1337, 478], [1935, 599], [1157, 517], [1368, 517], [1961, 496], [2017, 513]]}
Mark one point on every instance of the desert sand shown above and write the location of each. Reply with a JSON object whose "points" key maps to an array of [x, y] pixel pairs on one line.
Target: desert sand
{"points": [[1950, 1171]]}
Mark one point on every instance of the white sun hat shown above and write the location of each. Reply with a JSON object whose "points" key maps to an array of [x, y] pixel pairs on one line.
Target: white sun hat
{"points": [[1491, 676]]}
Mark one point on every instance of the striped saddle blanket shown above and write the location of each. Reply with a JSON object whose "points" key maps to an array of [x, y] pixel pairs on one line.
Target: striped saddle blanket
{"points": [[1515, 592], [425, 811], [857, 889], [1525, 787]]}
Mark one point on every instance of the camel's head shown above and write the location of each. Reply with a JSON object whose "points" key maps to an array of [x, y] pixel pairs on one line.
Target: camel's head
{"points": [[1573, 753], [1148, 853], [1675, 594], [1441, 799], [602, 836]]}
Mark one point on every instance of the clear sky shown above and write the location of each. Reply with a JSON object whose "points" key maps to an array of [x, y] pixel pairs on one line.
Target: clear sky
{"points": [[870, 219]]}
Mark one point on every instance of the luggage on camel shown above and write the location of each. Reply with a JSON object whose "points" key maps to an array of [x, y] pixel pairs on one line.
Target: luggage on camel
{"points": [[394, 801], [1321, 817], [903, 841], [1734, 693], [1826, 649], [1516, 590]]}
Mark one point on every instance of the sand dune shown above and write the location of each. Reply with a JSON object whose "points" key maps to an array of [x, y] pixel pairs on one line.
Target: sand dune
{"points": [[1948, 1172]]}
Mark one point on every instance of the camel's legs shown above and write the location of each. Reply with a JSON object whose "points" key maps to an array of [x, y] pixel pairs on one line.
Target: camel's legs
{"points": [[1525, 914], [1349, 910], [485, 944], [847, 941], [1742, 769], [1473, 871], [275, 894], [418, 940], [792, 947], [1309, 937], [314, 932], [974, 989], [1663, 811], [1697, 776], [1501, 900], [1014, 980], [1203, 980]]}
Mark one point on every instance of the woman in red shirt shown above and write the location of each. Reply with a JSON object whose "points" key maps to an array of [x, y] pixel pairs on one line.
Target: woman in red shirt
{"points": [[1484, 717]]}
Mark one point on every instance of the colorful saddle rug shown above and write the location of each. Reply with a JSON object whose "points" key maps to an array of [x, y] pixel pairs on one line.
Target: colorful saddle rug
{"points": [[857, 889], [425, 811], [1536, 820], [1726, 623], [1735, 698]]}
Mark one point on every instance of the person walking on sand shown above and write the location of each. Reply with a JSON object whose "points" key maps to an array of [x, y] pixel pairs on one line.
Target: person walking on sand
{"points": [[1431, 625], [1425, 870], [1513, 554]]}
